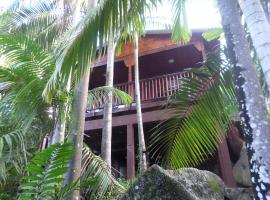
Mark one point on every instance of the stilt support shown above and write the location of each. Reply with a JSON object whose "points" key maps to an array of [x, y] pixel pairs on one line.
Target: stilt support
{"points": [[130, 152], [225, 164]]}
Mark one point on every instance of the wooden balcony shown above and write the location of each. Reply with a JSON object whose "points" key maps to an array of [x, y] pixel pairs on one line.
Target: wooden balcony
{"points": [[152, 89]]}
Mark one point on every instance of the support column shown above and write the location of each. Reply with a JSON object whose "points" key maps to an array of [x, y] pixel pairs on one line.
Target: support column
{"points": [[225, 164], [129, 62], [130, 152], [131, 86], [129, 73]]}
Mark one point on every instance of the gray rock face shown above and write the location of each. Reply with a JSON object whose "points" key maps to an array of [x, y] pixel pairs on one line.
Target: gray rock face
{"points": [[241, 171], [184, 184], [239, 193]]}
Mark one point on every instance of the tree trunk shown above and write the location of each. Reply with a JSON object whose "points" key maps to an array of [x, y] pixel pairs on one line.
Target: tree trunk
{"points": [[60, 126], [253, 111], [259, 29], [106, 144], [78, 118], [142, 149], [265, 4]]}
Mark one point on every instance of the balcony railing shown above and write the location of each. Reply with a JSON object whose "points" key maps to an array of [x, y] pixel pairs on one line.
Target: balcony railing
{"points": [[152, 89]]}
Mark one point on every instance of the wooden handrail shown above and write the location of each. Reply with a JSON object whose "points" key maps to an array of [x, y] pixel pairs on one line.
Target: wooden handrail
{"points": [[151, 88], [155, 77]]}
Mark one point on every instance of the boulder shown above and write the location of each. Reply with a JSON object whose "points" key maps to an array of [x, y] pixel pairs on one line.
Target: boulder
{"points": [[239, 193], [241, 171], [185, 184]]}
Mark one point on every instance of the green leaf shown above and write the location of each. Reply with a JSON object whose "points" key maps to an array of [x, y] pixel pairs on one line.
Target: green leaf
{"points": [[34, 169], [212, 34], [51, 173], [97, 170]]}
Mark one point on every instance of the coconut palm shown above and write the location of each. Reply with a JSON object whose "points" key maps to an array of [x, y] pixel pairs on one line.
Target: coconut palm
{"points": [[259, 29], [251, 104]]}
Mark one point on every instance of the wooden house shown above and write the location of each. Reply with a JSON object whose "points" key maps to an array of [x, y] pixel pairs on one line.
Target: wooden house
{"points": [[162, 65]]}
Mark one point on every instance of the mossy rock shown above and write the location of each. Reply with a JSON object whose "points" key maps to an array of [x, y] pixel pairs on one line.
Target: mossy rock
{"points": [[185, 184]]}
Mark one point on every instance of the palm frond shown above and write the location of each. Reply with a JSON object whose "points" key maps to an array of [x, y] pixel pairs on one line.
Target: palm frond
{"points": [[180, 30], [203, 108], [16, 142], [11, 141], [25, 71], [42, 21], [46, 172], [213, 34], [80, 45], [99, 96], [94, 166], [5, 21]]}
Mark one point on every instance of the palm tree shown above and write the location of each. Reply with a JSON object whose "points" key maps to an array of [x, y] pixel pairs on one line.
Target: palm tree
{"points": [[86, 39], [107, 114], [78, 118], [23, 76], [142, 148], [253, 110], [67, 10], [57, 21], [27, 64], [259, 29]]}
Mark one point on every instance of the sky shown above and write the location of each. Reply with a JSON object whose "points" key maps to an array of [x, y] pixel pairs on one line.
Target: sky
{"points": [[201, 13]]}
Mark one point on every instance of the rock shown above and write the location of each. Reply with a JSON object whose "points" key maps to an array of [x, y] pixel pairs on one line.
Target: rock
{"points": [[241, 171], [239, 193], [185, 184]]}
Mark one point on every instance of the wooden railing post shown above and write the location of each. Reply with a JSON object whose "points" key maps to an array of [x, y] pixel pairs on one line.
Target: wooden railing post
{"points": [[151, 88]]}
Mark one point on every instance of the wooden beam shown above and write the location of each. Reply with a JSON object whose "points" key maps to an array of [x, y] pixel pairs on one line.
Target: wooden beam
{"points": [[200, 47], [130, 152], [102, 61], [151, 116], [225, 164], [132, 107]]}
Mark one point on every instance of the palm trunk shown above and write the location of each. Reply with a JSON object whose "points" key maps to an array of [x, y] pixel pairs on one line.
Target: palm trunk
{"points": [[259, 29], [78, 118], [251, 104], [106, 144], [142, 149], [265, 8], [60, 126], [59, 130]]}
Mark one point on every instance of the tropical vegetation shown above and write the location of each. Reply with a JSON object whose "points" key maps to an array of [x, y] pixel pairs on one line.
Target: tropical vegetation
{"points": [[46, 52]]}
